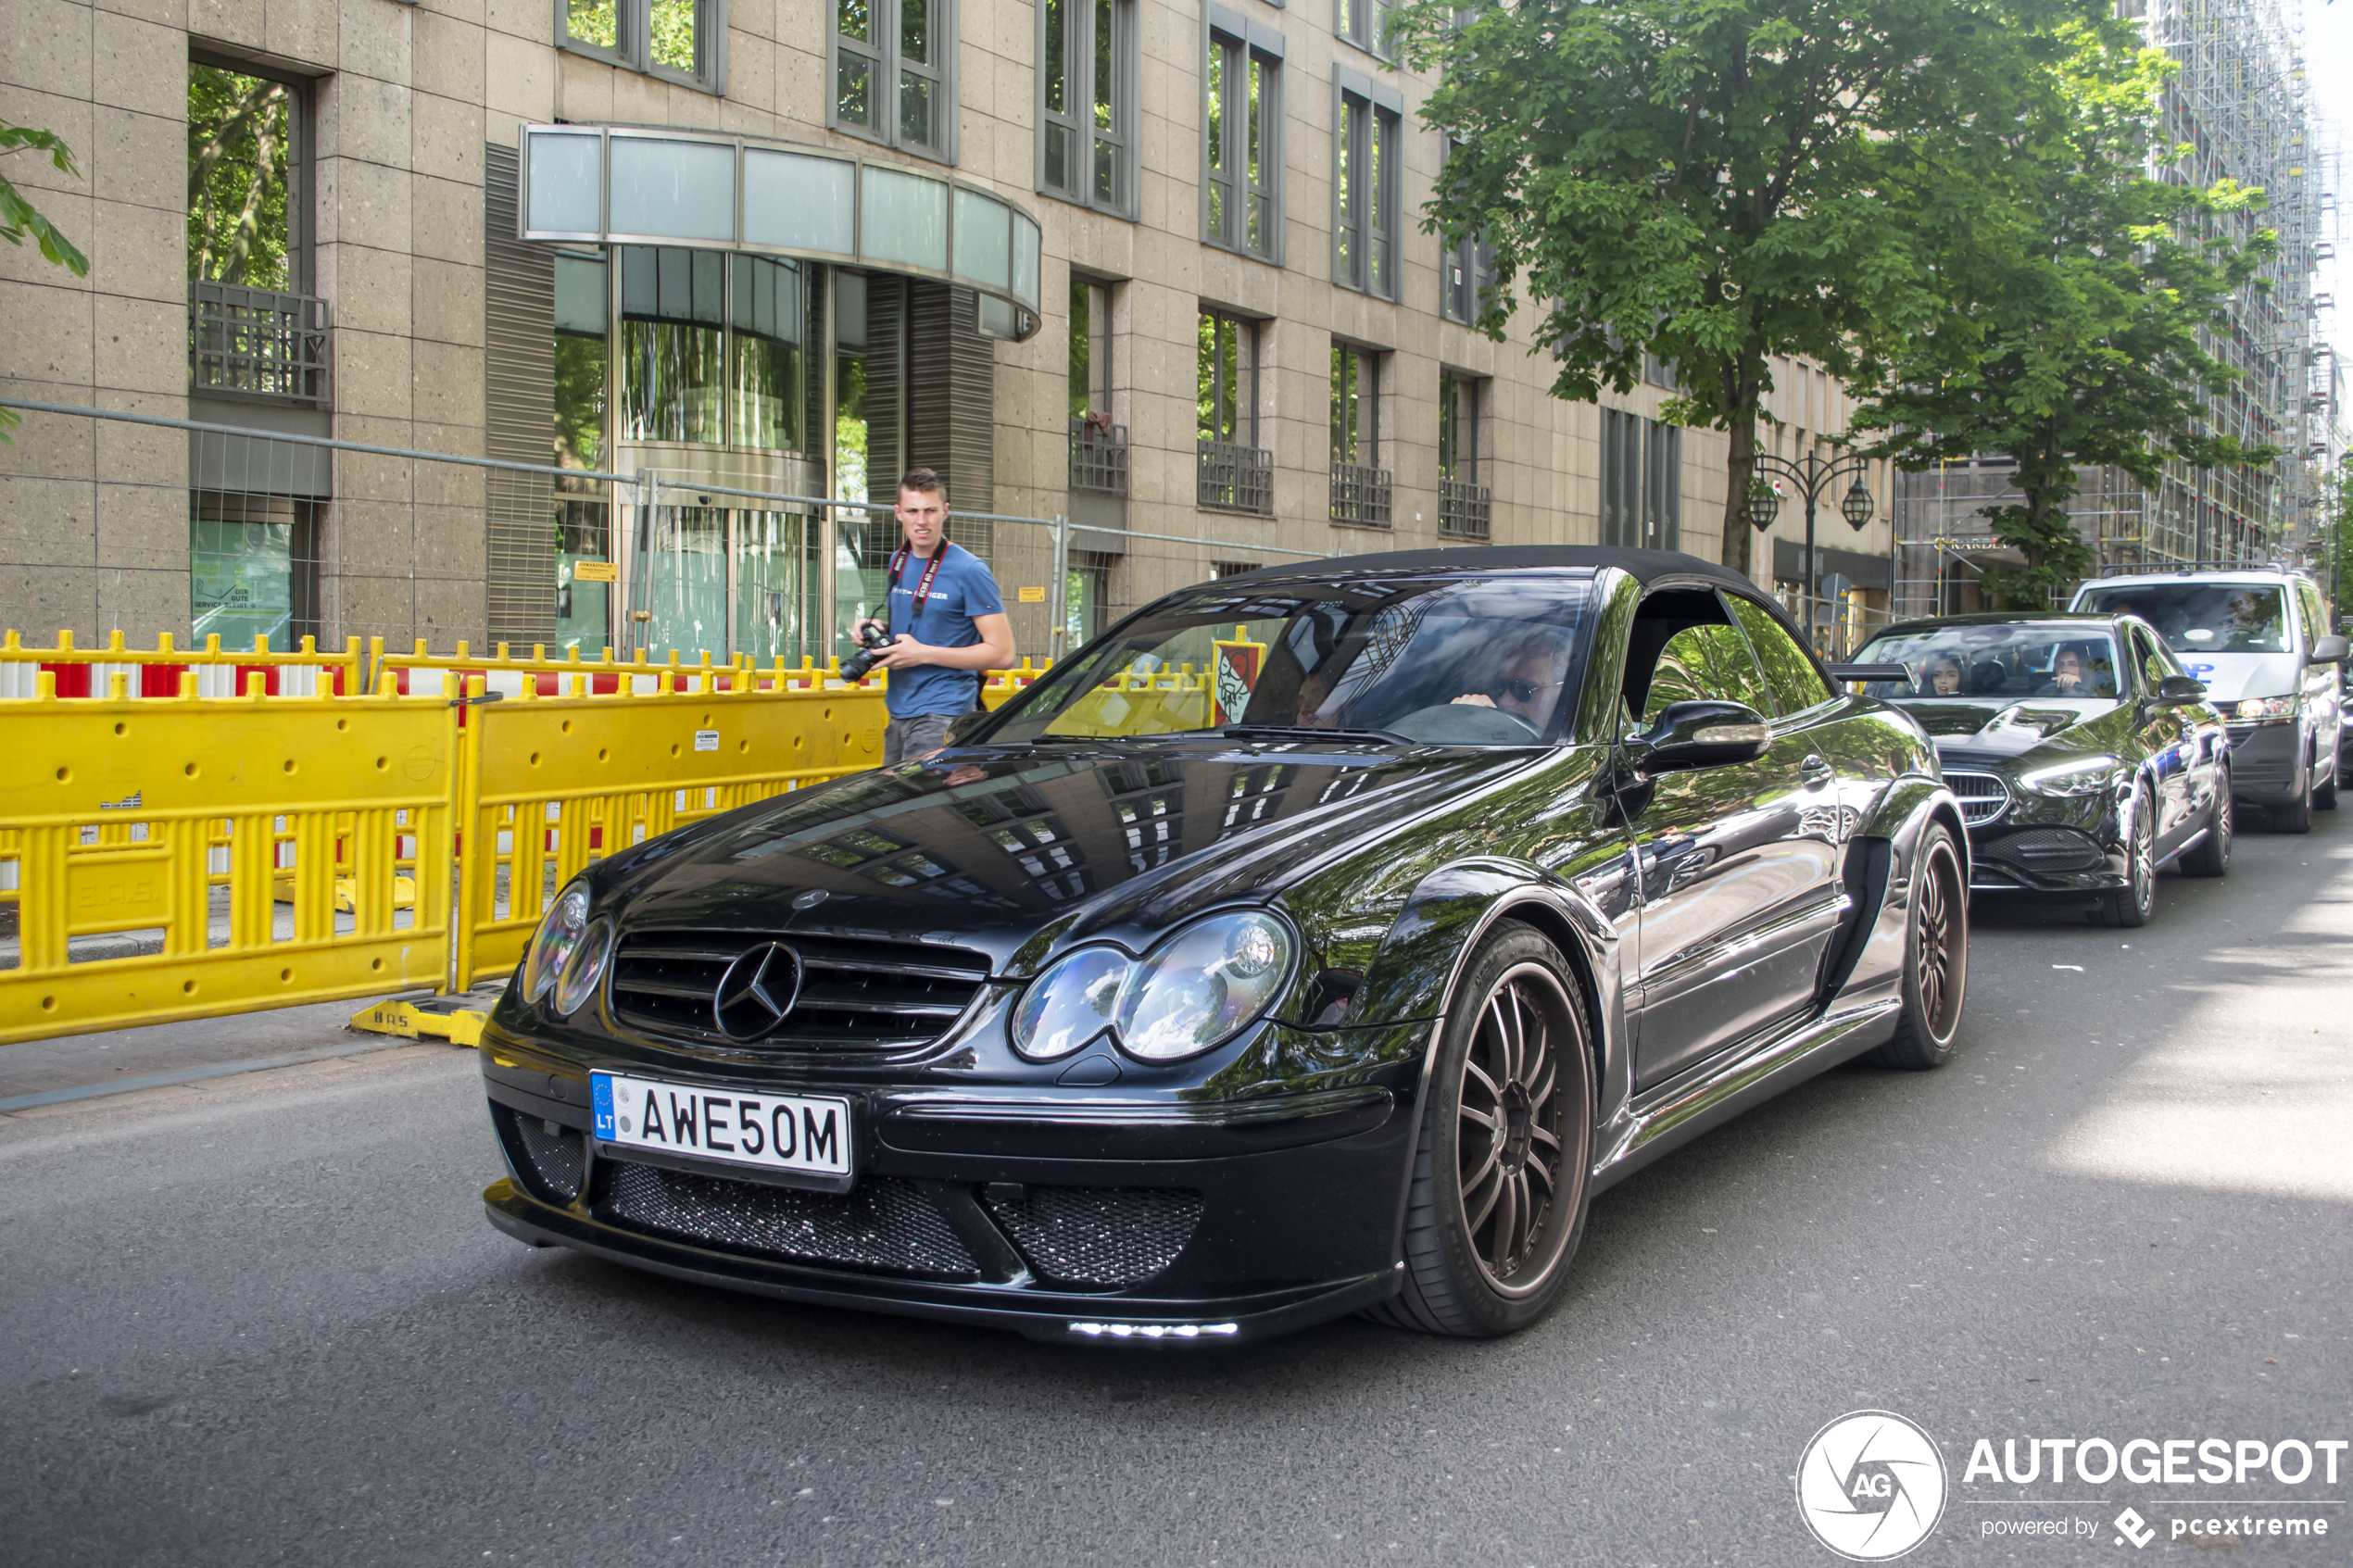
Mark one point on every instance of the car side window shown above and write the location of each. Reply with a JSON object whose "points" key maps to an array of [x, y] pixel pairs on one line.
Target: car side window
{"points": [[1797, 684], [1705, 663], [2316, 616], [2151, 659]]}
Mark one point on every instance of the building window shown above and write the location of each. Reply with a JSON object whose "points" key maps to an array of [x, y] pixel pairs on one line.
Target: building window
{"points": [[1231, 568], [1086, 103], [1243, 149], [1464, 505], [682, 40], [1364, 23], [1236, 474], [1098, 447], [1364, 197], [894, 73], [1642, 482], [1360, 486], [1465, 270]]}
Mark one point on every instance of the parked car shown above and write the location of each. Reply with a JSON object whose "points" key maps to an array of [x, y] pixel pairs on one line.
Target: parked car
{"points": [[2259, 641], [1317, 940], [2084, 756]]}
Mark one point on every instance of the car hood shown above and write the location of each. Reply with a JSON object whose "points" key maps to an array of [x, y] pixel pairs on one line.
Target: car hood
{"points": [[1981, 730], [2229, 676], [1013, 852]]}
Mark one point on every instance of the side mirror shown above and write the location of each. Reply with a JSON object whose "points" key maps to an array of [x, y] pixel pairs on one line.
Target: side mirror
{"points": [[963, 724], [1689, 735], [2330, 650], [2176, 689]]}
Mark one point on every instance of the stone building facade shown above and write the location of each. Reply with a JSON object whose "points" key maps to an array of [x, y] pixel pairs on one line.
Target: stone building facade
{"points": [[1220, 338]]}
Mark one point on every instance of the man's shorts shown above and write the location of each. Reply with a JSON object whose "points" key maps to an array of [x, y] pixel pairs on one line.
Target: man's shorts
{"points": [[906, 739]]}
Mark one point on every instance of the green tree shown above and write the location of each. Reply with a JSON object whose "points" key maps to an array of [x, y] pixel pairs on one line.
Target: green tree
{"points": [[20, 218], [1720, 181], [2076, 310], [240, 130], [2337, 533]]}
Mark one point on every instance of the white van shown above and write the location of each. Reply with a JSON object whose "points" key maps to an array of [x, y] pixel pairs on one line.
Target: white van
{"points": [[2260, 642]]}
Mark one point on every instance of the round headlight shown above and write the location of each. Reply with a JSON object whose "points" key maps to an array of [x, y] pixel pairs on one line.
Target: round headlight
{"points": [[587, 966], [1070, 1004], [558, 939], [1202, 985]]}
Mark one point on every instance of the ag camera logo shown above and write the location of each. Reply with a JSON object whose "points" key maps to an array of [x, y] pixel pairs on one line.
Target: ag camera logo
{"points": [[1870, 1485]]}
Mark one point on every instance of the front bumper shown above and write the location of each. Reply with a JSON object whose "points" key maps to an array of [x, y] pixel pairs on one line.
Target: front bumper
{"points": [[1062, 1217], [2266, 763], [2054, 845]]}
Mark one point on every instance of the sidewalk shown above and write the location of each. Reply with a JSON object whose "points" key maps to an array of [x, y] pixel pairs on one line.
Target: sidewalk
{"points": [[40, 1073]]}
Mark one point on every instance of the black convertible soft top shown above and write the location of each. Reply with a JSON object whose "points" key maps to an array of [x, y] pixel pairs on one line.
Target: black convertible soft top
{"points": [[1643, 566]]}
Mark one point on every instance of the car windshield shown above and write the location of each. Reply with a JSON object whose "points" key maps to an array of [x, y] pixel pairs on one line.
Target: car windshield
{"points": [[1476, 662], [2202, 616], [2014, 660]]}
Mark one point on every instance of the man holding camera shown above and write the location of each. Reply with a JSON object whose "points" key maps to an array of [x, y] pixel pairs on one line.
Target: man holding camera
{"points": [[945, 623]]}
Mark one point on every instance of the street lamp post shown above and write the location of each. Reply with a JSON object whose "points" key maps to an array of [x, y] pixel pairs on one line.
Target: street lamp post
{"points": [[1812, 476]]}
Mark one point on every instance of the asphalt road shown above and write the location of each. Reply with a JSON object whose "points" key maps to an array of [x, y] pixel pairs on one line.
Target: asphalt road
{"points": [[262, 1321]]}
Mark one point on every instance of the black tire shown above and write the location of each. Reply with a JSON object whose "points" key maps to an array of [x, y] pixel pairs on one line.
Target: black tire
{"points": [[2127, 908], [2297, 815], [1487, 1246], [2212, 856], [1935, 958], [2324, 795]]}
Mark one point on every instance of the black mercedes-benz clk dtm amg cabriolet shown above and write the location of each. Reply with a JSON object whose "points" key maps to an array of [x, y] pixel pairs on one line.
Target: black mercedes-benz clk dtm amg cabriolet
{"points": [[1317, 940], [2084, 756]]}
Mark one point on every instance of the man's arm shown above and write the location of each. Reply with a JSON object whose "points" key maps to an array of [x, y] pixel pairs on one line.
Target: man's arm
{"points": [[994, 651]]}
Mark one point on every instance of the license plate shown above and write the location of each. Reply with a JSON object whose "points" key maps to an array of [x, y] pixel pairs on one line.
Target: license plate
{"points": [[808, 1134]]}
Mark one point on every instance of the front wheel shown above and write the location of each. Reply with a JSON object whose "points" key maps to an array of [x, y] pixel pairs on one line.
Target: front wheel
{"points": [[2324, 795], [2130, 905], [1498, 1199], [1935, 958], [2297, 815]]}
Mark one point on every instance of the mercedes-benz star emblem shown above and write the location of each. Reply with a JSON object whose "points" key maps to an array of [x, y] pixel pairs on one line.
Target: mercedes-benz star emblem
{"points": [[757, 991]]}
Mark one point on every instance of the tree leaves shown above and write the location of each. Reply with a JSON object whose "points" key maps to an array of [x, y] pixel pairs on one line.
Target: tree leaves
{"points": [[19, 217]]}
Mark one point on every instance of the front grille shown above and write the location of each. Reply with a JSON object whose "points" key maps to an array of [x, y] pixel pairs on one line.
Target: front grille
{"points": [[884, 1224], [1983, 797], [854, 994], [549, 1158], [1099, 1236], [2048, 849]]}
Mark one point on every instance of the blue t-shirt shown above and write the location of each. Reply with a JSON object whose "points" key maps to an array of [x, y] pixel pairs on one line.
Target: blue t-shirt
{"points": [[962, 589]]}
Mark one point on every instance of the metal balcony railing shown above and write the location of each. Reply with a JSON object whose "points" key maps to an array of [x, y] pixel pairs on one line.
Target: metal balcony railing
{"points": [[1236, 479], [257, 342], [1098, 456], [1465, 510], [1360, 496]]}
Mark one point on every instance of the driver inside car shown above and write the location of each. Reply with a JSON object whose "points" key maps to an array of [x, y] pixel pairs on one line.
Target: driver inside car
{"points": [[1530, 682]]}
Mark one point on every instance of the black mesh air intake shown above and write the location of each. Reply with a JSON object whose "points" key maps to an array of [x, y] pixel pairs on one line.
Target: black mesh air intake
{"points": [[1099, 1236], [549, 1158], [882, 1224], [2046, 850]]}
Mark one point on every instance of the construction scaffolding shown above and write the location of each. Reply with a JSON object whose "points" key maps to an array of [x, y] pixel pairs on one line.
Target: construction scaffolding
{"points": [[2240, 105]]}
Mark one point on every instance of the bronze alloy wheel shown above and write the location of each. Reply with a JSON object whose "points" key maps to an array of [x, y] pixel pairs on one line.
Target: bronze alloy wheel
{"points": [[1935, 958], [1497, 1202], [1508, 1143]]}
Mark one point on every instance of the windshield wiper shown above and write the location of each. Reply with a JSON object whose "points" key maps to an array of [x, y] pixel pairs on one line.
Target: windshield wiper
{"points": [[1291, 732]]}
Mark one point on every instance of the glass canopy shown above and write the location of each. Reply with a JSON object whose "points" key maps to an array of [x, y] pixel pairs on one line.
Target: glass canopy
{"points": [[604, 184]]}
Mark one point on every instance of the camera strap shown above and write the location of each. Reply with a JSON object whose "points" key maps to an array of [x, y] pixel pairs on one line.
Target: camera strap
{"points": [[922, 588]]}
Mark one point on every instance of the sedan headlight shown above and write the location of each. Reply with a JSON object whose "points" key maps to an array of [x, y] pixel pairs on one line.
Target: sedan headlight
{"points": [[2265, 710], [556, 942], [1194, 992], [2087, 777], [587, 966]]}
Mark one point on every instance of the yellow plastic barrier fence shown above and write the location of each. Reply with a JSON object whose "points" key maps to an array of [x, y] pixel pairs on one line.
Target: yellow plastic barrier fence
{"points": [[551, 783], [505, 673], [82, 673], [193, 846]]}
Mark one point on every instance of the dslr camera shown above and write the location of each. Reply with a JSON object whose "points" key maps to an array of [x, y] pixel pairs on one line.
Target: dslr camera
{"points": [[872, 640]]}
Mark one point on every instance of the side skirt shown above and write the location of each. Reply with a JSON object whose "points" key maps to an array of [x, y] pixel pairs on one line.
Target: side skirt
{"points": [[1680, 1113]]}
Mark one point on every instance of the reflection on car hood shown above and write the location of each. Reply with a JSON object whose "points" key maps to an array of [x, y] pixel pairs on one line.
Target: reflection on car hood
{"points": [[2008, 728], [2229, 676], [1004, 845]]}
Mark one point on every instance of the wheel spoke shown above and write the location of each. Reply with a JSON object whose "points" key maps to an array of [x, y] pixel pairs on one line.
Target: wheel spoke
{"points": [[1546, 1137], [1543, 1173], [1487, 1162], [1478, 1116], [1477, 1216], [1494, 1094], [1506, 1224]]}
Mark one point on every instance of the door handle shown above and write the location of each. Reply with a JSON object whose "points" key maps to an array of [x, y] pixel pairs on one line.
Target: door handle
{"points": [[1814, 771]]}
